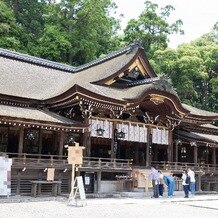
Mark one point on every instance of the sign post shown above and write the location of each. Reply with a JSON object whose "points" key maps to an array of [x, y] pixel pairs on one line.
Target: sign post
{"points": [[75, 157]]}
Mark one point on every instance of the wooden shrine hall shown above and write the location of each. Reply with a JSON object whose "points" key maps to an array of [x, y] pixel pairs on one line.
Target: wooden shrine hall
{"points": [[125, 116]]}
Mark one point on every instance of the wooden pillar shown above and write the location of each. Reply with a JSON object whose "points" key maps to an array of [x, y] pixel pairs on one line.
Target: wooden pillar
{"points": [[136, 153], [155, 150], [56, 142], [207, 155], [87, 143], [21, 140], [170, 147], [87, 140], [198, 188], [99, 181], [176, 152], [214, 156], [195, 155], [149, 143], [61, 144], [40, 140], [18, 182], [113, 143]]}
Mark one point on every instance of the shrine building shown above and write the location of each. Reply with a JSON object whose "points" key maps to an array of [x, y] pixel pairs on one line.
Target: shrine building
{"points": [[125, 116]]}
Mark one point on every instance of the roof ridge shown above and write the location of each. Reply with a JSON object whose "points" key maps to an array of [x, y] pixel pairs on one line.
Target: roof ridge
{"points": [[65, 67], [35, 60], [127, 49]]}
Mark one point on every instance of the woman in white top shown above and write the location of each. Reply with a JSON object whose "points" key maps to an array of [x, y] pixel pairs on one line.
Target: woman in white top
{"points": [[161, 184], [185, 183]]}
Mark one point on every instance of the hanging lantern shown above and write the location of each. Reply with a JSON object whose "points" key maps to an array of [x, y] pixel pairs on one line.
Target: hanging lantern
{"points": [[100, 131], [30, 135]]}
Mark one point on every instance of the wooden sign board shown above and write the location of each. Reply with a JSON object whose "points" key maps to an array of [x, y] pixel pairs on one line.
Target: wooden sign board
{"points": [[75, 154], [50, 174]]}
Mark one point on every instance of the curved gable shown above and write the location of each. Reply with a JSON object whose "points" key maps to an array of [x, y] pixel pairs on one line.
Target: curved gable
{"points": [[136, 69]]}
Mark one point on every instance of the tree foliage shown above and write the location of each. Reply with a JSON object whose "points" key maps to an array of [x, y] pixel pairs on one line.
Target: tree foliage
{"points": [[10, 31], [152, 28], [193, 70], [71, 31], [78, 31]]}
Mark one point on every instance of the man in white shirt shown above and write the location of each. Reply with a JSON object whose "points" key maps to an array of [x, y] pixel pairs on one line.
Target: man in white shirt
{"points": [[154, 179], [192, 181]]}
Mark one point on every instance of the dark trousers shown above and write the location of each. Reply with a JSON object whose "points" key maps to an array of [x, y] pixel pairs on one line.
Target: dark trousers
{"points": [[161, 189], [155, 188], [186, 190]]}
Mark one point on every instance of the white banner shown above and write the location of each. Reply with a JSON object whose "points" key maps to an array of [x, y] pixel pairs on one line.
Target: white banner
{"points": [[160, 136]]}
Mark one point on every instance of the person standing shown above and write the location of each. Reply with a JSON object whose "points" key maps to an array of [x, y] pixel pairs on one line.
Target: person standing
{"points": [[192, 181], [154, 179], [185, 183], [161, 184]]}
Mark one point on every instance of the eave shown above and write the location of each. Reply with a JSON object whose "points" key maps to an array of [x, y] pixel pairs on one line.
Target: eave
{"points": [[77, 93], [18, 101], [11, 121]]}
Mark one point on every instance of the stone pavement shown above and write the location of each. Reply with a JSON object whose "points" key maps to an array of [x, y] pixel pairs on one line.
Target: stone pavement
{"points": [[200, 206]]}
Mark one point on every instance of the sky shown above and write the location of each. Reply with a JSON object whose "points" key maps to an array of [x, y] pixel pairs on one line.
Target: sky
{"points": [[198, 16]]}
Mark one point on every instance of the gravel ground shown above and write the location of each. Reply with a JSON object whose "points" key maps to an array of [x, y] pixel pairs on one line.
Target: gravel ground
{"points": [[104, 208]]}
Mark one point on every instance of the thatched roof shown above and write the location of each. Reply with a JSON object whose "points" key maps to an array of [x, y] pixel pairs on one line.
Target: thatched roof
{"points": [[29, 77], [199, 112]]}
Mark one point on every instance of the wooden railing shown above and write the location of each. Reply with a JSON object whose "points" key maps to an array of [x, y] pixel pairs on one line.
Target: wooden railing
{"points": [[40, 160], [180, 166]]}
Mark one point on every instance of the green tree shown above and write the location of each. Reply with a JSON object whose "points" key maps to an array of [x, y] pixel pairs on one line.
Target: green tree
{"points": [[152, 28], [29, 15], [85, 25], [10, 32], [193, 70], [53, 45]]}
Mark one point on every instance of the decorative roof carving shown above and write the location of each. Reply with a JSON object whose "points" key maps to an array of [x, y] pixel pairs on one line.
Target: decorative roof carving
{"points": [[163, 85], [136, 44]]}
